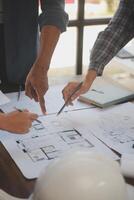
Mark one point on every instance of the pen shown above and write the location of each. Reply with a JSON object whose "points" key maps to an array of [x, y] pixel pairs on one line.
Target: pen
{"points": [[19, 93], [22, 111], [1, 110], [76, 89], [94, 90]]}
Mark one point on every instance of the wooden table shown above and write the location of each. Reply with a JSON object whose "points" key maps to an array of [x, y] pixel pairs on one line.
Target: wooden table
{"points": [[11, 179]]}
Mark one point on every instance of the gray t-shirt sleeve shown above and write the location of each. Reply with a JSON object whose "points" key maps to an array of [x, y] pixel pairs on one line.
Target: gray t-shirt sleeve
{"points": [[53, 13]]}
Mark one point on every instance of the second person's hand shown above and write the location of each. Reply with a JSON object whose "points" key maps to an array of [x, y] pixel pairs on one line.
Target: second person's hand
{"points": [[71, 86], [18, 122], [37, 85]]}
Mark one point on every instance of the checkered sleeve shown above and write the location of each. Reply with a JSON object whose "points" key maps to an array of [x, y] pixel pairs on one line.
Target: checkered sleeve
{"points": [[118, 33]]}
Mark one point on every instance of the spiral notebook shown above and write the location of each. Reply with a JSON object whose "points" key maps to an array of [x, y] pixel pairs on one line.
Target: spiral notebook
{"points": [[104, 93]]}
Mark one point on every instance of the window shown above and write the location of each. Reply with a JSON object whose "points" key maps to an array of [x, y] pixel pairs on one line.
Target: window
{"points": [[100, 8], [71, 8], [65, 52], [87, 19], [90, 35]]}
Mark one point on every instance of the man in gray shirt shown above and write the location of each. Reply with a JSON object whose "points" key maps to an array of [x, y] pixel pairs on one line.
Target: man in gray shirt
{"points": [[117, 34], [19, 44]]}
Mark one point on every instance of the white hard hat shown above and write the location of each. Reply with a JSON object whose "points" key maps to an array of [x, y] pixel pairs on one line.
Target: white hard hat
{"points": [[81, 175]]}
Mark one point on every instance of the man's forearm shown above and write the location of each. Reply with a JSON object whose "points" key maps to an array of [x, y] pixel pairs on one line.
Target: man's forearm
{"points": [[48, 40]]}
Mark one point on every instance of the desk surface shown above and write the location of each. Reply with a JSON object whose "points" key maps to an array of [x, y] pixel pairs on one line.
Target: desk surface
{"points": [[11, 179], [13, 182]]}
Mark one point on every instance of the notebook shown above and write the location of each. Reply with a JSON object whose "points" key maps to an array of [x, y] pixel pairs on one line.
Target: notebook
{"points": [[104, 93]]}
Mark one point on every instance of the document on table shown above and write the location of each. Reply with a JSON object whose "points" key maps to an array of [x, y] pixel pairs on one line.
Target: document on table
{"points": [[115, 127], [47, 141], [53, 100], [3, 99]]}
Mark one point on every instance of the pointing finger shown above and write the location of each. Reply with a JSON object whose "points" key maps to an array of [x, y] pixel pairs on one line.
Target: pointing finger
{"points": [[42, 104]]}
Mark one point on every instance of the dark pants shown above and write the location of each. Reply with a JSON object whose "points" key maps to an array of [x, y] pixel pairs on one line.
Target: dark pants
{"points": [[5, 85]]}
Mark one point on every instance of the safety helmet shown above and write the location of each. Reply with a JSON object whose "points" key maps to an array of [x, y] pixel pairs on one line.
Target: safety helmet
{"points": [[81, 175]]}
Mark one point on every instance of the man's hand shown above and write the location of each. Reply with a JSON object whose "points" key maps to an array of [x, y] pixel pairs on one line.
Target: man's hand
{"points": [[37, 85], [17, 122], [68, 90], [37, 81]]}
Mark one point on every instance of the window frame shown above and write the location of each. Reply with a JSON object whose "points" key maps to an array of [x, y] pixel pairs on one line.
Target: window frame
{"points": [[80, 24]]}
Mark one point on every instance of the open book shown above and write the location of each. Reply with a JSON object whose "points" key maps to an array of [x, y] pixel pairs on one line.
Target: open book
{"points": [[104, 93]]}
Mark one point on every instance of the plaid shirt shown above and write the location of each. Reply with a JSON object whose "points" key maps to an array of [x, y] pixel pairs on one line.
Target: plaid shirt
{"points": [[118, 33]]}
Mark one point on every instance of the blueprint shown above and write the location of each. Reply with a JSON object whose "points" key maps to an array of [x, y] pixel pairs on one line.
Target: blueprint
{"points": [[47, 141], [115, 127]]}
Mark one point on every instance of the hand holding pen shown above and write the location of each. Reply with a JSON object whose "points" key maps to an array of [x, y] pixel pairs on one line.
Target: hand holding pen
{"points": [[35, 119], [85, 86], [71, 92], [69, 97], [17, 122]]}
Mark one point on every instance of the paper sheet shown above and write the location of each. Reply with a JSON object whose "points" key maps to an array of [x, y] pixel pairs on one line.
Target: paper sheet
{"points": [[113, 126], [47, 141], [3, 99], [127, 165], [130, 190]]}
